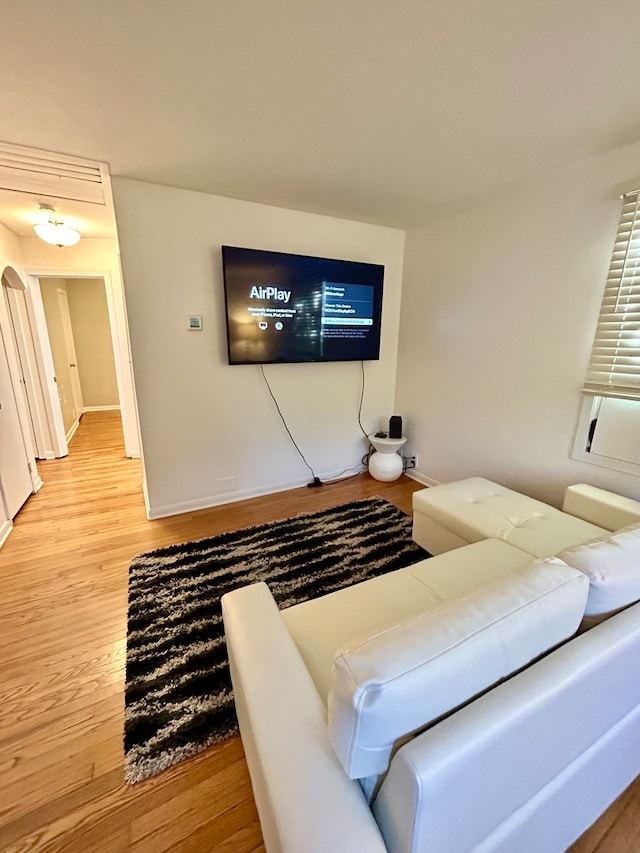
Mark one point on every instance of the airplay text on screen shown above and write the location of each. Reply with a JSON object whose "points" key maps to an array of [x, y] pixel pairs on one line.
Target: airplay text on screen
{"points": [[343, 310]]}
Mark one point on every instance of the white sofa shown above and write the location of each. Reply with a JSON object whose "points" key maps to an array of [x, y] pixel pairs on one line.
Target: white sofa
{"points": [[458, 704]]}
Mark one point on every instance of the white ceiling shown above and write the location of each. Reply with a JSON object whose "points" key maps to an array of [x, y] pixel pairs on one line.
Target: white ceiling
{"points": [[382, 111]]}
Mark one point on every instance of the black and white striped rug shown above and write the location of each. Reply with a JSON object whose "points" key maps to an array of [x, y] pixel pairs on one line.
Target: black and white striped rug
{"points": [[178, 688]]}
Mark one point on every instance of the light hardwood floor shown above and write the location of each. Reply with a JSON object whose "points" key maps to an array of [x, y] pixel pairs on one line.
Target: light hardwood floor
{"points": [[63, 613]]}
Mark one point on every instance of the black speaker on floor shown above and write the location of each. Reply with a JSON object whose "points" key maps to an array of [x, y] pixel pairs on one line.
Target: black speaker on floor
{"points": [[395, 426]]}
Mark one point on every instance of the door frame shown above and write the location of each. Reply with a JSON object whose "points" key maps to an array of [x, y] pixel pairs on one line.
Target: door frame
{"points": [[72, 359], [14, 397], [20, 330], [119, 340], [14, 281]]}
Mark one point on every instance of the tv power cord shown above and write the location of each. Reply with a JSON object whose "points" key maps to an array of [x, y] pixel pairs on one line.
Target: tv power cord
{"points": [[316, 482]]}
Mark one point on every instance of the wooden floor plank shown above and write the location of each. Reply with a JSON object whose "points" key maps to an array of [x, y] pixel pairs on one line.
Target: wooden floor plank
{"points": [[213, 798], [63, 614]]}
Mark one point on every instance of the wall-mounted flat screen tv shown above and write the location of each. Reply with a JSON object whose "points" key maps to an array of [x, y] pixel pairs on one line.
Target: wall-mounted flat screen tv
{"points": [[295, 308]]}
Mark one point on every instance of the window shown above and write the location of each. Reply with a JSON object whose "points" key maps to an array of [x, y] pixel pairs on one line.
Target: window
{"points": [[614, 369], [609, 428]]}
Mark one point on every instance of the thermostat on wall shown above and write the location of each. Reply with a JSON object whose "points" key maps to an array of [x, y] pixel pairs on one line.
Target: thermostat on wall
{"points": [[195, 323]]}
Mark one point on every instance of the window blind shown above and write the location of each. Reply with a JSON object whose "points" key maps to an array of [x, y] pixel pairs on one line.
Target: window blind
{"points": [[614, 369]]}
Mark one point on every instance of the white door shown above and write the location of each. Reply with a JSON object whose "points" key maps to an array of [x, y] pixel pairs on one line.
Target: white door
{"points": [[17, 308], [76, 390], [14, 462]]}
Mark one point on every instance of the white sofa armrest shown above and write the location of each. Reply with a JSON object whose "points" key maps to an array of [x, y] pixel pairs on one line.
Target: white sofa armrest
{"points": [[600, 506], [304, 799], [531, 764]]}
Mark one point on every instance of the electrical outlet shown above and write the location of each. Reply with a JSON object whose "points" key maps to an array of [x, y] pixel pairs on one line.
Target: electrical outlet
{"points": [[411, 460]]}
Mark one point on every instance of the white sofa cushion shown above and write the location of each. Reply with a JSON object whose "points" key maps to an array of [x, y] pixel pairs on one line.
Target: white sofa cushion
{"points": [[531, 764], [394, 682], [612, 564], [600, 506], [322, 626], [475, 509]]}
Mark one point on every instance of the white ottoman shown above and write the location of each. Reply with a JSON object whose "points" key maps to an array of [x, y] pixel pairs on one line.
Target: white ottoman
{"points": [[455, 514]]}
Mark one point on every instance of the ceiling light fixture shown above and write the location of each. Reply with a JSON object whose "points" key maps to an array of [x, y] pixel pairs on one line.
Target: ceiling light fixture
{"points": [[53, 230]]}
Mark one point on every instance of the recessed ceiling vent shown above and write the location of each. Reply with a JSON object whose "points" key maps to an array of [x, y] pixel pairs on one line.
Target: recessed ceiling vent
{"points": [[60, 176]]}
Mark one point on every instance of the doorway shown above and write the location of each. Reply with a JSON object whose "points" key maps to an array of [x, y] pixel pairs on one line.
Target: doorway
{"points": [[80, 336], [31, 420]]}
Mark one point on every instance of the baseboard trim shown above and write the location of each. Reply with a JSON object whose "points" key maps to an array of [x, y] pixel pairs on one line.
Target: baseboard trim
{"points": [[72, 430], [5, 529], [216, 500], [422, 478], [101, 409], [211, 501]]}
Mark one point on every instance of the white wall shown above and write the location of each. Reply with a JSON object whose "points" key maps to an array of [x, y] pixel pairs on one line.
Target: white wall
{"points": [[499, 310], [210, 433], [92, 338]]}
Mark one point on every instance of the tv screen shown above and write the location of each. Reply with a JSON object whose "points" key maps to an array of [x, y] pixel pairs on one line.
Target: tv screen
{"points": [[295, 308]]}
